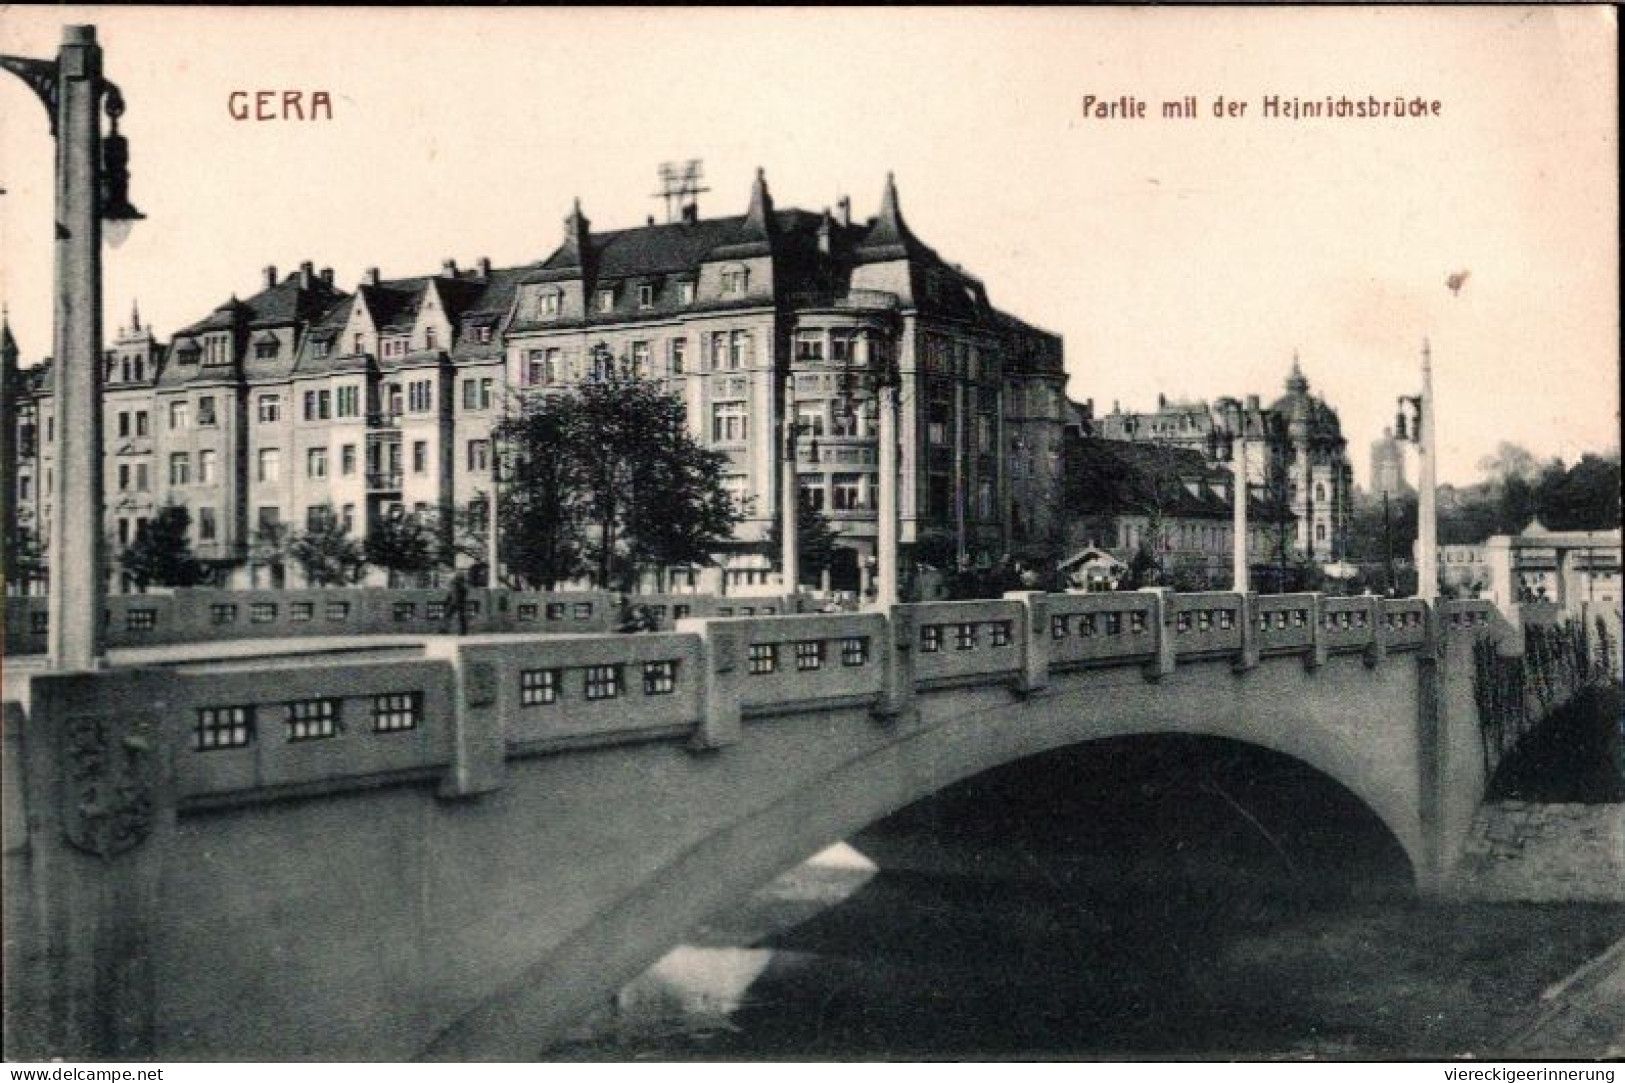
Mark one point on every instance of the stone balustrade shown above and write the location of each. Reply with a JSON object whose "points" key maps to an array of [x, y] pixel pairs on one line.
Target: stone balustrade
{"points": [[254, 730]]}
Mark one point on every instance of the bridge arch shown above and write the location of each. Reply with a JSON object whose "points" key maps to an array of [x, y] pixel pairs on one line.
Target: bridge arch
{"points": [[957, 736]]}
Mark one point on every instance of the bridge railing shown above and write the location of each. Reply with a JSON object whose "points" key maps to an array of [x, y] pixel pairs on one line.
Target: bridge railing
{"points": [[786, 663], [1405, 623], [560, 691], [966, 641], [246, 729], [1285, 622], [1094, 629], [1207, 623]]}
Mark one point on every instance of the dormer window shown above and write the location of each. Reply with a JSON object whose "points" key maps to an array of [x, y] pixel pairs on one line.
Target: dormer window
{"points": [[428, 338], [548, 303], [265, 350], [359, 338], [646, 296], [319, 348], [606, 299], [733, 282], [685, 292]]}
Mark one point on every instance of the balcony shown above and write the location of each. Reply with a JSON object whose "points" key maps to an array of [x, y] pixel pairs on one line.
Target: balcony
{"points": [[383, 481], [383, 420]]}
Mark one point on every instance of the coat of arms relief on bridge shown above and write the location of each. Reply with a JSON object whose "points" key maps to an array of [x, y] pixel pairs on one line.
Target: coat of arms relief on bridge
{"points": [[111, 771]]}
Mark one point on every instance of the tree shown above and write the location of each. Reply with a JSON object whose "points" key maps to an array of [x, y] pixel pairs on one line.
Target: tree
{"points": [[403, 544], [815, 539], [606, 478], [326, 552], [1586, 497], [539, 534], [161, 554], [1510, 461]]}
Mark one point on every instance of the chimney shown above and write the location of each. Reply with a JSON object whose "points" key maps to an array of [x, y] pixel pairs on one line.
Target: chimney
{"points": [[691, 213], [823, 232], [485, 266], [1252, 403], [577, 230], [270, 275], [844, 210], [650, 221], [1162, 400], [448, 268], [307, 274], [371, 277], [327, 276]]}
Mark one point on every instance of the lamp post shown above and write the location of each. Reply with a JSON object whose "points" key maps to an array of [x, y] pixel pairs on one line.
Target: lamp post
{"points": [[1225, 446], [92, 184], [1415, 423]]}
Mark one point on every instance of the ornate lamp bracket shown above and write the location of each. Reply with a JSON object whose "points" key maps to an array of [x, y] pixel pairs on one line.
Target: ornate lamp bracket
{"points": [[41, 77]]}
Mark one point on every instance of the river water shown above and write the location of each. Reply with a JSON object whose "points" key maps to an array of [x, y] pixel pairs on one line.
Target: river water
{"points": [[1169, 900]]}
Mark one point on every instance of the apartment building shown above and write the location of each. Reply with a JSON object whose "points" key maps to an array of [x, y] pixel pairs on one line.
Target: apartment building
{"points": [[773, 327]]}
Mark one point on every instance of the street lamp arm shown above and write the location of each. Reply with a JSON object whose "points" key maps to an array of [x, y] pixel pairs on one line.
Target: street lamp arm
{"points": [[41, 77]]}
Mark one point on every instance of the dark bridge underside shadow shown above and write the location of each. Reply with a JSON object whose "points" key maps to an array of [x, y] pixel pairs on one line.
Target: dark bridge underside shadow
{"points": [[1077, 902], [1072, 903]]}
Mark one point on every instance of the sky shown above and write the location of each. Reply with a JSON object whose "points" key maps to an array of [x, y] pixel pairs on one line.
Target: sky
{"points": [[1190, 257]]}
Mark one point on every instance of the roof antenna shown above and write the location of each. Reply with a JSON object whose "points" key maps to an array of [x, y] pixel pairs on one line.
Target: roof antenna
{"points": [[679, 184]]}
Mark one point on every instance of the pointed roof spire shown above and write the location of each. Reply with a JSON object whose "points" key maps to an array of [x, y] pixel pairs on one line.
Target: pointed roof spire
{"points": [[7, 342], [759, 219], [1296, 381], [135, 315], [889, 238]]}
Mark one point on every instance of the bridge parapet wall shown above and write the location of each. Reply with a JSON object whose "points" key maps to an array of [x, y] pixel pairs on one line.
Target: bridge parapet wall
{"points": [[957, 642]]}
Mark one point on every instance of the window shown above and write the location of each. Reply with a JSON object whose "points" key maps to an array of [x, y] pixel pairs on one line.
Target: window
{"points": [[1114, 624], [606, 300], [420, 456], [685, 292], [347, 460], [180, 415], [1057, 626], [270, 464], [140, 620], [270, 409], [810, 418], [640, 360], [602, 682], [659, 678], [262, 613], [141, 423], [526, 613], [646, 296], [1001, 633], [124, 423], [420, 396], [349, 404], [180, 468], [223, 727], [582, 611], [810, 654], [338, 611], [316, 462], [848, 492], [739, 349], [207, 474], [123, 477], [222, 613], [854, 650], [312, 719], [471, 395], [538, 687], [428, 338], [347, 517], [265, 349], [965, 636], [764, 657], [1136, 623], [840, 345], [930, 638], [205, 410], [479, 455], [548, 303], [733, 282], [394, 712], [729, 423], [675, 349]]}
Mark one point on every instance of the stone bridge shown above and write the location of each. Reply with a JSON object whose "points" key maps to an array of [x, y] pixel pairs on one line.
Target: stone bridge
{"points": [[458, 855]]}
